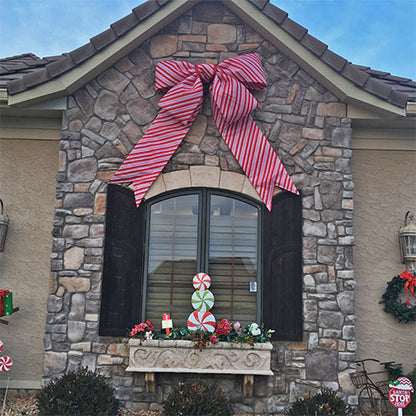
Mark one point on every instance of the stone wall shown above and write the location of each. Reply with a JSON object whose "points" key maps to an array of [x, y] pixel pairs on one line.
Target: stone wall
{"points": [[308, 128]]}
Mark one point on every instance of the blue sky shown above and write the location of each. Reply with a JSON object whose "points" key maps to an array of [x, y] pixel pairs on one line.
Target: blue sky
{"points": [[376, 33]]}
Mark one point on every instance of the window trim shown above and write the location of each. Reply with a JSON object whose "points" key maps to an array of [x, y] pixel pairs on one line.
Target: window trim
{"points": [[204, 198]]}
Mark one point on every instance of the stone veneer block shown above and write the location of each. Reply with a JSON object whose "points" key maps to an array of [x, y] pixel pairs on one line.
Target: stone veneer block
{"points": [[158, 187], [221, 33], [206, 176], [163, 45], [248, 189], [177, 180], [165, 356], [231, 181]]}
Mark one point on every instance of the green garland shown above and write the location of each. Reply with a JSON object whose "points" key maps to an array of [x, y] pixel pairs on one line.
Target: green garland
{"points": [[392, 303]]}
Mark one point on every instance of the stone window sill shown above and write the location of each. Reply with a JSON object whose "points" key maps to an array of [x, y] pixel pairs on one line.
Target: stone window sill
{"points": [[166, 356]]}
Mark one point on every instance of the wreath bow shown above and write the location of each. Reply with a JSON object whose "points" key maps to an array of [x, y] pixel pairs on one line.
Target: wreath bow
{"points": [[410, 285]]}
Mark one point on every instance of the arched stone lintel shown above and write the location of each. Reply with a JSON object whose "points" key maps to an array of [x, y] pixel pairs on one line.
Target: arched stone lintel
{"points": [[202, 176]]}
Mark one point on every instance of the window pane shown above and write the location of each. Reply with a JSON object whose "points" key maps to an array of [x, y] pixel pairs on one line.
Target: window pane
{"points": [[173, 247], [233, 258]]}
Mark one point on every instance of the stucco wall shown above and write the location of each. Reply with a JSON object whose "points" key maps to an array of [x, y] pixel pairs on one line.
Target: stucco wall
{"points": [[385, 190], [27, 188]]}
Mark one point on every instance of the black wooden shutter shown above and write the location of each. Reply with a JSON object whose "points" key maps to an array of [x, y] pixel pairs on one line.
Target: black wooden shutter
{"points": [[282, 267], [123, 262]]}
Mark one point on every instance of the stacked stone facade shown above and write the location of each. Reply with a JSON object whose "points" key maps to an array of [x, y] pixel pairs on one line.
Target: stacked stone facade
{"points": [[309, 130]]}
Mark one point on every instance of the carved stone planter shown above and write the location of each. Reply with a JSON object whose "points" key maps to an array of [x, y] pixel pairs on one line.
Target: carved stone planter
{"points": [[160, 356]]}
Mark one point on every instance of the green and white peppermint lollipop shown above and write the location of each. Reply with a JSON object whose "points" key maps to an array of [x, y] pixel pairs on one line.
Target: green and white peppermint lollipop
{"points": [[202, 300]]}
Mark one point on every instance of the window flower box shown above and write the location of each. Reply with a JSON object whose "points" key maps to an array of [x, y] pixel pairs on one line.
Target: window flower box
{"points": [[169, 356]]}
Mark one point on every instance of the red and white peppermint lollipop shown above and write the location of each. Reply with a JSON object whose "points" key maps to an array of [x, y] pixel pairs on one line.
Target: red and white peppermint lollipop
{"points": [[204, 321], [201, 281], [1, 345], [5, 363]]}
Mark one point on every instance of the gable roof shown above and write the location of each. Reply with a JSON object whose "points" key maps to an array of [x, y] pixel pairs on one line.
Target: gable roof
{"points": [[68, 72]]}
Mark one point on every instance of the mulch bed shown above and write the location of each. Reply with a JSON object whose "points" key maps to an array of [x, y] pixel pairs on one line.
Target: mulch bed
{"points": [[18, 405]]}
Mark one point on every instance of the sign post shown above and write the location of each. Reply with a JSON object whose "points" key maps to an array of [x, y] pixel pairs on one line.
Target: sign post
{"points": [[400, 393]]}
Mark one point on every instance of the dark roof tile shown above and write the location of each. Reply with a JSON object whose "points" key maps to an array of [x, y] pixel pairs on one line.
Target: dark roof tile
{"points": [[36, 77], [357, 76], [398, 98], [376, 73], [259, 3], [333, 60], [314, 45], [377, 87], [103, 39], [81, 54], [401, 80], [294, 29], [15, 86], [146, 9], [276, 14], [60, 66], [125, 24]]}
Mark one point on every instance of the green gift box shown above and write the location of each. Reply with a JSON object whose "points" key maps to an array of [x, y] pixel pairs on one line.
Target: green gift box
{"points": [[8, 303]]}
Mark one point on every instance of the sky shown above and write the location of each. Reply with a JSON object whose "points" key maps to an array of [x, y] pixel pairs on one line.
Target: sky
{"points": [[376, 33]]}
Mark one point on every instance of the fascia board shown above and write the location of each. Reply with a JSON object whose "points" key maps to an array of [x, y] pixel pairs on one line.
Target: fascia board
{"points": [[344, 89], [75, 78]]}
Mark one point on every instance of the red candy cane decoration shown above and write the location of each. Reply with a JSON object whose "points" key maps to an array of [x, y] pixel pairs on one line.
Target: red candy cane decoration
{"points": [[5, 361]]}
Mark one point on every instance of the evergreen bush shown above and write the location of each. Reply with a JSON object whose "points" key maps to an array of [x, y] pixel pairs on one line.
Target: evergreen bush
{"points": [[195, 399], [325, 403], [78, 393]]}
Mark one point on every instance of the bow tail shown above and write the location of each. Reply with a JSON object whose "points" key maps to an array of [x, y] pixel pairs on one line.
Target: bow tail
{"points": [[256, 157], [150, 155]]}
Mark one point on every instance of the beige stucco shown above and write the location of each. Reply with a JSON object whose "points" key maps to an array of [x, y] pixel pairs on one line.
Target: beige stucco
{"points": [[385, 189], [27, 187]]}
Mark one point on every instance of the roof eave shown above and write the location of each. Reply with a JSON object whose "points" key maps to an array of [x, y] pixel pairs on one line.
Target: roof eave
{"points": [[68, 82]]}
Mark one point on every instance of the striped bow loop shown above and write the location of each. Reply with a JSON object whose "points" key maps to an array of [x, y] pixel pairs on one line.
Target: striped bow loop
{"points": [[232, 104]]}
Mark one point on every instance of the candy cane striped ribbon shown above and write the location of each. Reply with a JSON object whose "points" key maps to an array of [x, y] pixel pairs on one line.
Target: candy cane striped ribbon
{"points": [[231, 104]]}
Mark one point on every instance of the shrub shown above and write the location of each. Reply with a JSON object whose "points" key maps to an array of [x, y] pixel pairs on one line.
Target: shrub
{"points": [[195, 399], [78, 393], [325, 403]]}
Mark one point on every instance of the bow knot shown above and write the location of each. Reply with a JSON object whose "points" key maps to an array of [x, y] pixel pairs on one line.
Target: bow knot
{"points": [[410, 285], [231, 103], [206, 72]]}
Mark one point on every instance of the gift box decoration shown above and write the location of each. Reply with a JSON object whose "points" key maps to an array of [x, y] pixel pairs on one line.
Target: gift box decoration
{"points": [[6, 302]]}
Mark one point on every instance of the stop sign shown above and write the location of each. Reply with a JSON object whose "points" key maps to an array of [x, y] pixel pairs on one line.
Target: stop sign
{"points": [[399, 398]]}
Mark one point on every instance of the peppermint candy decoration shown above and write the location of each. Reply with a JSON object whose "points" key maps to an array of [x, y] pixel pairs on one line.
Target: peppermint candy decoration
{"points": [[202, 300], [1, 345], [204, 321], [201, 281], [5, 363]]}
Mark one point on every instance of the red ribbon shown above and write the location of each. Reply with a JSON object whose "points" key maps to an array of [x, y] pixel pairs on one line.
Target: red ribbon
{"points": [[3, 293], [231, 104], [410, 285]]}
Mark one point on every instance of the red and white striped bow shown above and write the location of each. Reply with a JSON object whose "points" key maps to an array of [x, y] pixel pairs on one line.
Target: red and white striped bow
{"points": [[231, 104]]}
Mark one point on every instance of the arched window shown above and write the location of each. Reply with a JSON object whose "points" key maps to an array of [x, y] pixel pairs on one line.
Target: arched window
{"points": [[152, 253], [202, 231]]}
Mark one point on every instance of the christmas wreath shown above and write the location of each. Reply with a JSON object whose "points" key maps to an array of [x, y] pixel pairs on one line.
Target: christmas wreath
{"points": [[403, 312]]}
